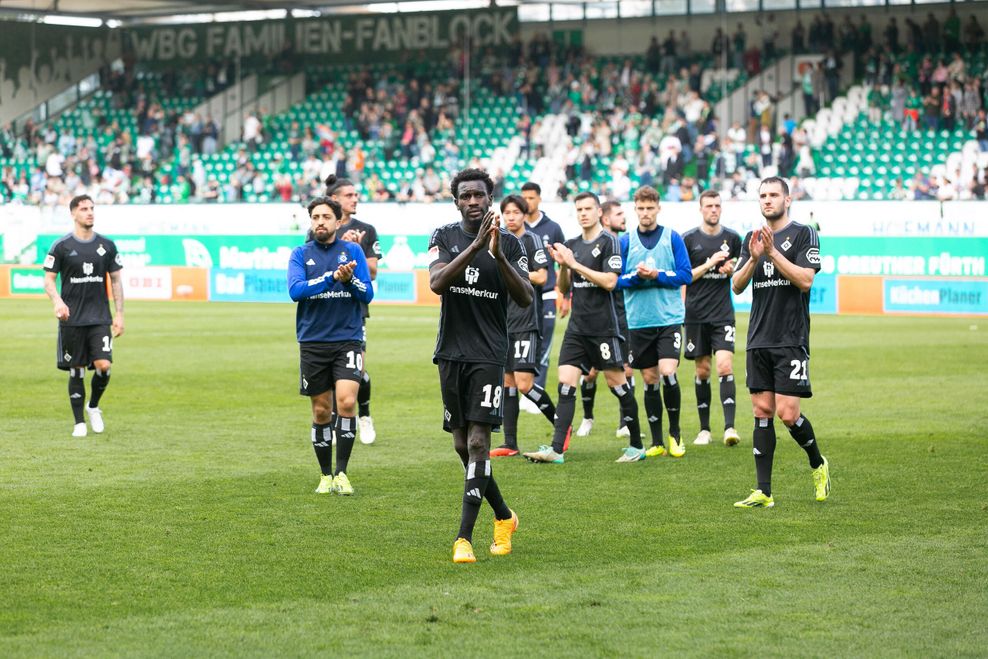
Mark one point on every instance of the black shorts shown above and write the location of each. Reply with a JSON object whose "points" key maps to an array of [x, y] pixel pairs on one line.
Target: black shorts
{"points": [[783, 371], [79, 346], [523, 352], [471, 392], [650, 344], [623, 342], [598, 352], [322, 364], [704, 339]]}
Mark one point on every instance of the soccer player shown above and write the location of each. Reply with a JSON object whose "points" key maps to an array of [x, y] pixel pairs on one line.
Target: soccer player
{"points": [[523, 331], [612, 218], [475, 267], [329, 279], [549, 233], [344, 192], [86, 330], [713, 250], [656, 265], [590, 265], [781, 257]]}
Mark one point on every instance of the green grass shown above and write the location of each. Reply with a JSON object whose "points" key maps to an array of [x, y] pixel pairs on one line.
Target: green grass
{"points": [[190, 527]]}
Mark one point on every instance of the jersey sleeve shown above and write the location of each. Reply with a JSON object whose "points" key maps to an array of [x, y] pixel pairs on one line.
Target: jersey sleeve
{"points": [[299, 287], [538, 259], [371, 244], [515, 253], [745, 254], [610, 256], [53, 261], [438, 249], [735, 246], [808, 250], [112, 258], [360, 283]]}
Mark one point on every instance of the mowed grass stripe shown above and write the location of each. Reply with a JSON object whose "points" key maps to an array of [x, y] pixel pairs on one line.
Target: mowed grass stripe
{"points": [[190, 527]]}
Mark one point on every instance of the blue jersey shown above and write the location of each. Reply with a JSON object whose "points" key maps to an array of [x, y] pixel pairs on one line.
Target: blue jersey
{"points": [[328, 311], [648, 302]]}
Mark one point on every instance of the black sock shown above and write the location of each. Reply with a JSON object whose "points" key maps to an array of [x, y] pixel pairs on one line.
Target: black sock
{"points": [[363, 395], [564, 416], [802, 432], [588, 391], [77, 392], [478, 476], [763, 440], [727, 395], [631, 388], [99, 382], [673, 397], [703, 402], [322, 443], [653, 408], [629, 413], [510, 422], [493, 495], [540, 397], [346, 432], [494, 498]]}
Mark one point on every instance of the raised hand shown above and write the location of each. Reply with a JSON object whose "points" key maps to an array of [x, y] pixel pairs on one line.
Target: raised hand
{"points": [[756, 244], [353, 235], [495, 233], [562, 254], [344, 273]]}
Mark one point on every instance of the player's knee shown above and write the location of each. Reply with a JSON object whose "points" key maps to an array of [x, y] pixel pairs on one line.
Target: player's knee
{"points": [[724, 369], [762, 411], [476, 443], [788, 415], [703, 371], [346, 403]]}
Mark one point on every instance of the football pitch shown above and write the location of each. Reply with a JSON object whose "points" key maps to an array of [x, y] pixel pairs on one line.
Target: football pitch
{"points": [[190, 527]]}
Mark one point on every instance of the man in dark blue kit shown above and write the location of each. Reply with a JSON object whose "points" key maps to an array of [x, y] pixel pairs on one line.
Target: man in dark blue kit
{"points": [[475, 267], [329, 279], [84, 259], [780, 259]]}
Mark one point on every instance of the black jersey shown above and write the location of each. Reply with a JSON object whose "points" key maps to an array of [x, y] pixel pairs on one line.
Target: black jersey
{"points": [[708, 299], [619, 303], [526, 319], [549, 233], [369, 244], [780, 312], [473, 319], [83, 267], [594, 312]]}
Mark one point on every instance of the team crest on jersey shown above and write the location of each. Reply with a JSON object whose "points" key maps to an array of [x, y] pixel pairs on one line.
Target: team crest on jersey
{"points": [[472, 274], [614, 261], [310, 262], [50, 261], [343, 257], [786, 245], [768, 268], [596, 251], [100, 250], [724, 247], [87, 268], [813, 255]]}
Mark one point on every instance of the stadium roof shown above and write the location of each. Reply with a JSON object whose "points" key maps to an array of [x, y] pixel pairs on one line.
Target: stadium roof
{"points": [[138, 10]]}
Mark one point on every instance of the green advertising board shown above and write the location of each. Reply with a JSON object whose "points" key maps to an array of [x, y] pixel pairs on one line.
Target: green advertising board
{"points": [[934, 256], [27, 281]]}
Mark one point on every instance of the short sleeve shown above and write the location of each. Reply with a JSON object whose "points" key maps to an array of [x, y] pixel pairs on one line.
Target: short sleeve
{"points": [[745, 254], [808, 250], [515, 253], [53, 261], [438, 250], [539, 260], [610, 256], [371, 244], [112, 259]]}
